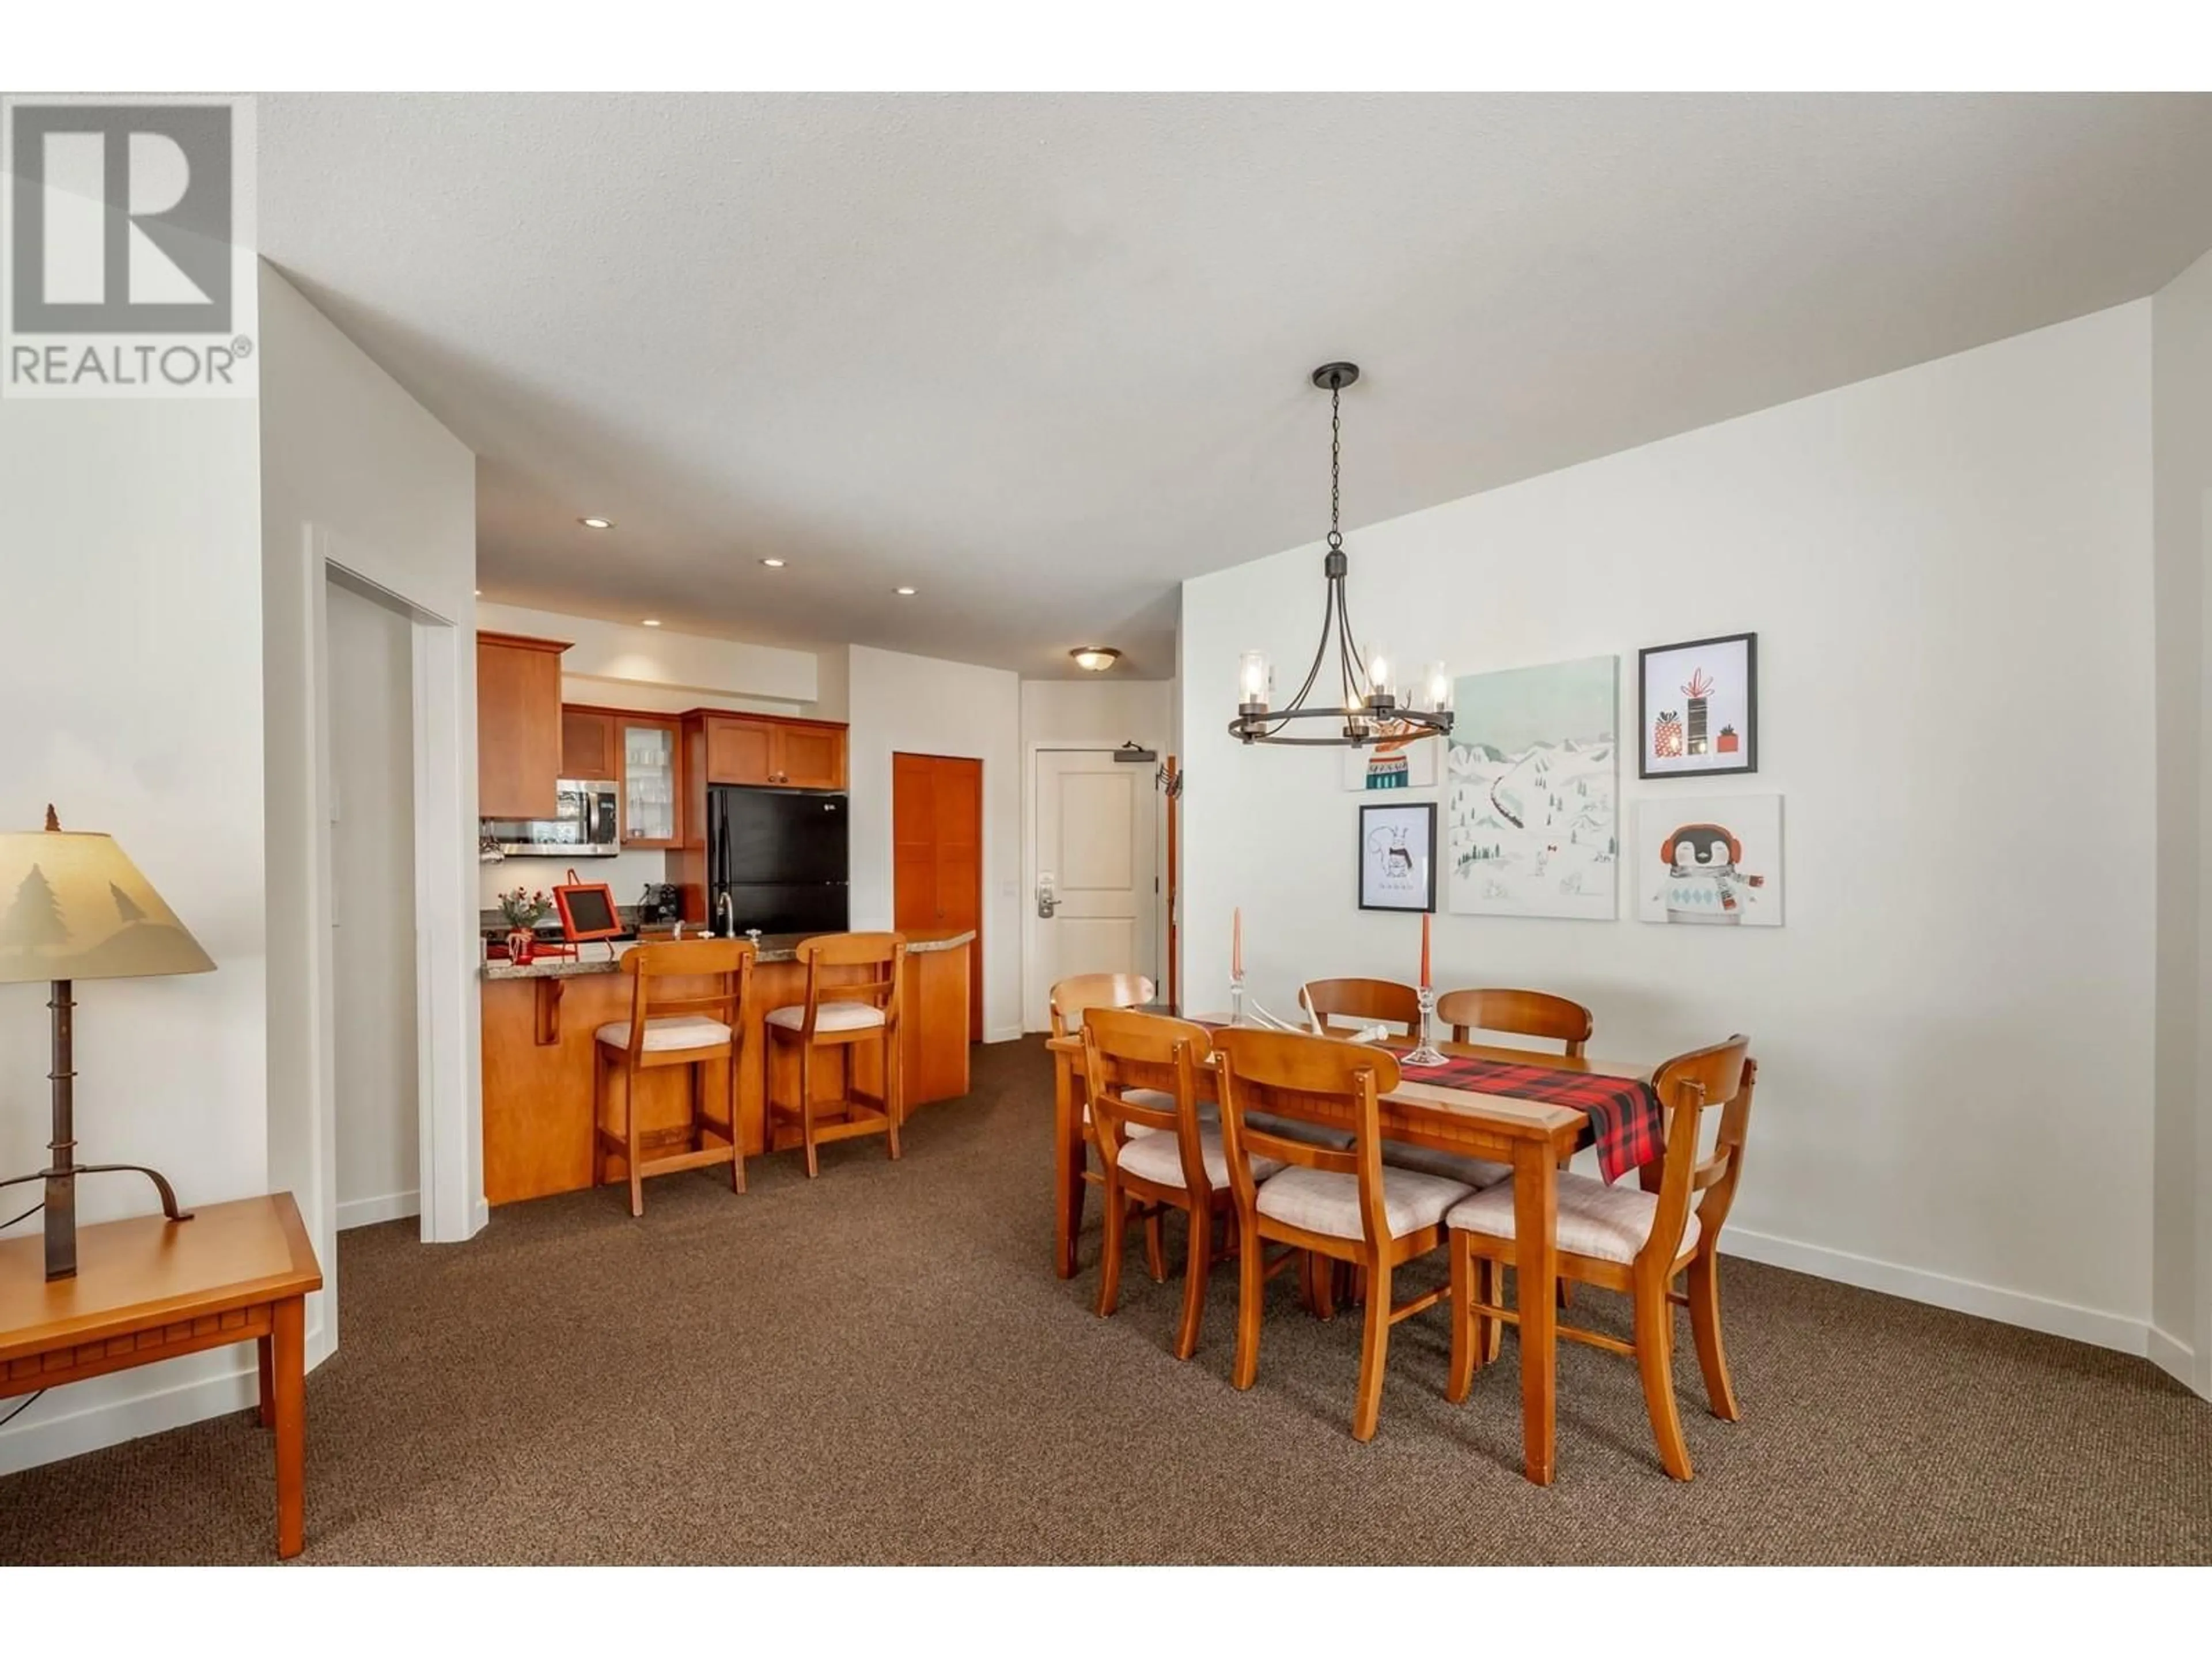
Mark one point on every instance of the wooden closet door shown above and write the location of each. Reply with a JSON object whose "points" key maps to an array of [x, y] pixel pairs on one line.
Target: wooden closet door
{"points": [[936, 856]]}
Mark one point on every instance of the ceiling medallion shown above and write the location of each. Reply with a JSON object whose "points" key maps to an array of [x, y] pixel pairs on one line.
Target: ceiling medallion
{"points": [[1372, 706]]}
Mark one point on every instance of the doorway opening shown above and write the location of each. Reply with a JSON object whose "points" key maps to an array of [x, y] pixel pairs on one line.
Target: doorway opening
{"points": [[936, 856]]}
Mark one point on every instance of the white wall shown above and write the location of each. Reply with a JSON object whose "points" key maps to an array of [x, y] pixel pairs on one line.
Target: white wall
{"points": [[624, 666], [919, 705], [372, 692], [1949, 571], [130, 697], [2181, 1299], [1099, 713], [355, 472]]}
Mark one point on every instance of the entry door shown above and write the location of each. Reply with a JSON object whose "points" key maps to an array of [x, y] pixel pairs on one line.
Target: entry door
{"points": [[937, 855], [1094, 860]]}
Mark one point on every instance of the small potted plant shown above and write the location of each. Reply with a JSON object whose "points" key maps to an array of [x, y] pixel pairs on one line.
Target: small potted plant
{"points": [[523, 909]]}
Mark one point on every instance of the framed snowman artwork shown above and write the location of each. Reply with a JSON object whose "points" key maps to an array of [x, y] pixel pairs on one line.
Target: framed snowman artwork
{"points": [[1697, 707], [1398, 856]]}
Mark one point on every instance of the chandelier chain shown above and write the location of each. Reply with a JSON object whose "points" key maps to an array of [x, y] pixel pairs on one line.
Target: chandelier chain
{"points": [[1335, 464]]}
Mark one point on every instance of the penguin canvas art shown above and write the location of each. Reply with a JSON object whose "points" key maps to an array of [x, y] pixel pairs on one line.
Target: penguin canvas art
{"points": [[1711, 863]]}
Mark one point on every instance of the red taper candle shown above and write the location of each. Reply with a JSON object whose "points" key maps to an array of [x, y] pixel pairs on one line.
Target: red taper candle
{"points": [[1424, 950], [1236, 942]]}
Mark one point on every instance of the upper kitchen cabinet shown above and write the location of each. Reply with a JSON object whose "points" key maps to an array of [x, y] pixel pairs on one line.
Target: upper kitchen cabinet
{"points": [[518, 726], [587, 745], [651, 780], [764, 749]]}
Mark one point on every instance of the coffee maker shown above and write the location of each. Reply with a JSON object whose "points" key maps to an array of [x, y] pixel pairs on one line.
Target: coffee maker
{"points": [[662, 905]]}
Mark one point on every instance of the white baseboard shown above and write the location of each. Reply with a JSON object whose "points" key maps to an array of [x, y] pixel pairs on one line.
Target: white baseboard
{"points": [[363, 1212], [2033, 1313], [1005, 1034], [41, 1437], [2173, 1356]]}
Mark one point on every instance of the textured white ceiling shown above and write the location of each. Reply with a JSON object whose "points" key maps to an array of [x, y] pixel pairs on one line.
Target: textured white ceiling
{"points": [[1043, 356]]}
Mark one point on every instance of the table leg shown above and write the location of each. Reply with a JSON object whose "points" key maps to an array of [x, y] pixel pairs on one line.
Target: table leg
{"points": [[1067, 1165], [1535, 1254], [268, 1382], [288, 1361]]}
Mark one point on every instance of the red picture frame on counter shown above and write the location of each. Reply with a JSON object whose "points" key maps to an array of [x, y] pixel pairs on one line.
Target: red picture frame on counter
{"points": [[588, 910]]}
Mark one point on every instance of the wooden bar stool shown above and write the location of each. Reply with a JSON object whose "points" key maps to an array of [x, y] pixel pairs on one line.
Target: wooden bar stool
{"points": [[843, 1014], [690, 1028]]}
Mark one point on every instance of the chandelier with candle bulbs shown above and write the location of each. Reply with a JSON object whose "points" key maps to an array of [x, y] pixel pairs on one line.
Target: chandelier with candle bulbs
{"points": [[1375, 706]]}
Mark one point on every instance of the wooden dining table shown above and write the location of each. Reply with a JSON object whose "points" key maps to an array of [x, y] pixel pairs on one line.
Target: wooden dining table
{"points": [[1533, 1136]]}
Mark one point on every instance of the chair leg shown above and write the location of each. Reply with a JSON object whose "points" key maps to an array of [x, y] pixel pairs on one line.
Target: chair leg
{"points": [[894, 1088], [630, 1140], [1320, 1271], [1109, 1262], [806, 1108], [1155, 1245], [1198, 1260], [1465, 1343], [1654, 1361], [1374, 1349], [737, 1135], [599, 1113], [1491, 1285], [1251, 1290], [1704, 1277]]}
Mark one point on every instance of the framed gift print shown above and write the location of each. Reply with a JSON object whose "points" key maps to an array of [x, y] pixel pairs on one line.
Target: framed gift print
{"points": [[1398, 856], [1697, 707]]}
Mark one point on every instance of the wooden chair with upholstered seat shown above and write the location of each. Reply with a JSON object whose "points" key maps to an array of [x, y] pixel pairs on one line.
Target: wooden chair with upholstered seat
{"points": [[1329, 1203], [1342, 1006], [691, 1025], [1518, 1013], [1156, 1147], [1635, 1240], [1067, 1006], [841, 1012]]}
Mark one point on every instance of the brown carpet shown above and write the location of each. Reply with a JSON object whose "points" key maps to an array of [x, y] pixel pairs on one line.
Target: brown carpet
{"points": [[880, 1367]]}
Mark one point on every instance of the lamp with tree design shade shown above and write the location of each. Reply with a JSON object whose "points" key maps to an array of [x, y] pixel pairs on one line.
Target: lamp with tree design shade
{"points": [[73, 907]]}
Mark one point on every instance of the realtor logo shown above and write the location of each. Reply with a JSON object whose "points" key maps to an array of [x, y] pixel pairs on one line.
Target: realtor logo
{"points": [[129, 265]]}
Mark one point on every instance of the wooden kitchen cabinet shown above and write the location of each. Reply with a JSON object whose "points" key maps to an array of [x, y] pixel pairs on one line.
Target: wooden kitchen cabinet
{"points": [[588, 745], [649, 747], [762, 748], [518, 726]]}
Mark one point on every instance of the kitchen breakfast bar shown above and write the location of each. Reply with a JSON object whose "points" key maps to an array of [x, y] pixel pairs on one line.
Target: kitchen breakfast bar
{"points": [[539, 1022]]}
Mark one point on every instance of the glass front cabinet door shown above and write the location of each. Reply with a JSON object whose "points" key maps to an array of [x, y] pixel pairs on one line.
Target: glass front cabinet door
{"points": [[649, 781]]}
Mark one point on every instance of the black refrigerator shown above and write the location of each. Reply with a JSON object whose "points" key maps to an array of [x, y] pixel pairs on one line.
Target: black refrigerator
{"points": [[779, 856]]}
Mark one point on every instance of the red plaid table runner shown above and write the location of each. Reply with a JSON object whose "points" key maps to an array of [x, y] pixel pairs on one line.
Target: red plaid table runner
{"points": [[1626, 1125]]}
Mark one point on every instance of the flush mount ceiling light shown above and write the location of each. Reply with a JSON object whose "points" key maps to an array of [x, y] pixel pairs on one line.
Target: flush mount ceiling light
{"points": [[1096, 658], [649, 622], [597, 523], [773, 564], [903, 593], [1371, 708]]}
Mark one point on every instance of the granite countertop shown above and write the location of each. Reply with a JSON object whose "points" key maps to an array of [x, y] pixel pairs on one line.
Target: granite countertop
{"points": [[601, 958]]}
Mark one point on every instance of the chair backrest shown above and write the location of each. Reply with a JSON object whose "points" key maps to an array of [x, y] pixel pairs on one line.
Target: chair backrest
{"points": [[1362, 1000], [883, 952], [1521, 1013], [1124, 1051], [1722, 1075], [1307, 1079], [727, 962], [1072, 997]]}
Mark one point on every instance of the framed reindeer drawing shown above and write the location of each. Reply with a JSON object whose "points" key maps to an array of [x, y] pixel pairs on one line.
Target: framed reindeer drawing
{"points": [[1398, 856]]}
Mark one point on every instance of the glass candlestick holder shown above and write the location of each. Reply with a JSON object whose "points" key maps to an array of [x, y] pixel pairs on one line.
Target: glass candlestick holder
{"points": [[1236, 1000], [1428, 1054]]}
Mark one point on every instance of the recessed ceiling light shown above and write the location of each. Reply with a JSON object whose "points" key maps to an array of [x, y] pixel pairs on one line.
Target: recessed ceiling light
{"points": [[651, 622], [1098, 659], [597, 523], [480, 593], [903, 593], [773, 564]]}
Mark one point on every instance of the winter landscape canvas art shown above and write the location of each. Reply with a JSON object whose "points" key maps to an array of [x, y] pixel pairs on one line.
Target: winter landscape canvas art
{"points": [[1533, 793], [1706, 861]]}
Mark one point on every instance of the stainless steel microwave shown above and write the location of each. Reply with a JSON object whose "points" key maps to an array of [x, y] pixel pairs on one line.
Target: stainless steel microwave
{"points": [[586, 826]]}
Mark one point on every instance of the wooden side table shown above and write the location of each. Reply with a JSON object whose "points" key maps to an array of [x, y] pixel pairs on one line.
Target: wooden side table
{"points": [[150, 1289]]}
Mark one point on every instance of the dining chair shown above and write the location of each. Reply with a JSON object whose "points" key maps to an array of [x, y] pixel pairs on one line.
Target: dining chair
{"points": [[1067, 1006], [1518, 1013], [1637, 1240], [690, 1027], [1361, 1002], [1328, 1204], [1156, 1152], [843, 1014]]}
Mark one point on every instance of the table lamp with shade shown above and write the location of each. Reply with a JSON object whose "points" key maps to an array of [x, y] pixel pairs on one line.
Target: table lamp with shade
{"points": [[73, 907]]}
